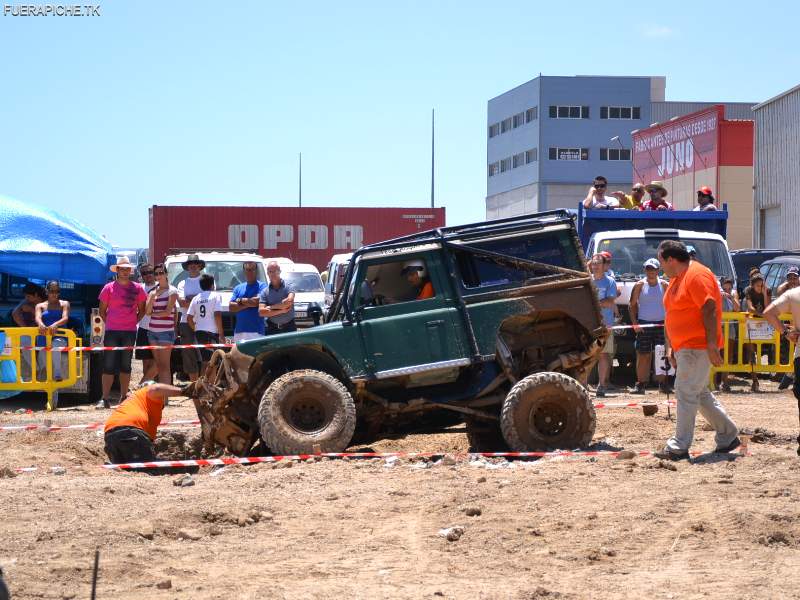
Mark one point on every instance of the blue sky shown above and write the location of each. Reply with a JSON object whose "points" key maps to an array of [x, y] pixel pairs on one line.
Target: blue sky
{"points": [[210, 102]]}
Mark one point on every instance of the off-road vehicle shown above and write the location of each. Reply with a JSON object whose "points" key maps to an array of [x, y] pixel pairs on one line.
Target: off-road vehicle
{"points": [[510, 324]]}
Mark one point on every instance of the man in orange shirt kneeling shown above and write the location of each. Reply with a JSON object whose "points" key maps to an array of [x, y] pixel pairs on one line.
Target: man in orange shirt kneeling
{"points": [[693, 325], [131, 429]]}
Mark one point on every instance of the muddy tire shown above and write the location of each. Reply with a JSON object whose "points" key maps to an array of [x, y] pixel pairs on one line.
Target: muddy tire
{"points": [[305, 409], [485, 436], [547, 411]]}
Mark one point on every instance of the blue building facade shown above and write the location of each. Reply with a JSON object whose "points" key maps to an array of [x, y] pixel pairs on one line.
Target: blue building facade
{"points": [[548, 138]]}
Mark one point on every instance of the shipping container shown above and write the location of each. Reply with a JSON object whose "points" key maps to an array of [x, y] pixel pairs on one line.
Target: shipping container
{"points": [[307, 235]]}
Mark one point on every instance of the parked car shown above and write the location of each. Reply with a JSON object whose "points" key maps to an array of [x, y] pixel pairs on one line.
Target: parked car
{"points": [[774, 270], [337, 267], [747, 258], [309, 294]]}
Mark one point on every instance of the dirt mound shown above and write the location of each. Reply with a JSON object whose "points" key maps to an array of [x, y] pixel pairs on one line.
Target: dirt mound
{"points": [[179, 445]]}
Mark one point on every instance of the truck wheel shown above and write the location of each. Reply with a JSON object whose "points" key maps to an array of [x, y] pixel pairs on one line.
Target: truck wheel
{"points": [[303, 409], [485, 436], [547, 411]]}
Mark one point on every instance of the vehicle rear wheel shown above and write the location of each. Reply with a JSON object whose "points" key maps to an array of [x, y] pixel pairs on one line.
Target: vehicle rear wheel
{"points": [[305, 409], [485, 436], [547, 411]]}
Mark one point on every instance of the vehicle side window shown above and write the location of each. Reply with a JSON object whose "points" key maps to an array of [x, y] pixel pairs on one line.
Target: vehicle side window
{"points": [[772, 275], [393, 282]]}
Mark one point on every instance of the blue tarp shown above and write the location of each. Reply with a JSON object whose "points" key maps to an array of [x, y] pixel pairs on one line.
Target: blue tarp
{"points": [[39, 243]]}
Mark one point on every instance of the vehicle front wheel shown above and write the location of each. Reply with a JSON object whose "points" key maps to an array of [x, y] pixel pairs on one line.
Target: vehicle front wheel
{"points": [[304, 410], [546, 411]]}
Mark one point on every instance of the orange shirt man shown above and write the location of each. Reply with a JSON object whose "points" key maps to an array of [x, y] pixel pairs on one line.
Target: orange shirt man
{"points": [[417, 275], [693, 306], [131, 429]]}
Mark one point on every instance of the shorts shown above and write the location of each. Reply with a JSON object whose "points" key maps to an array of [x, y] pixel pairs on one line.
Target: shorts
{"points": [[161, 338], [131, 444], [609, 347], [142, 340], [206, 337], [118, 361], [649, 337]]}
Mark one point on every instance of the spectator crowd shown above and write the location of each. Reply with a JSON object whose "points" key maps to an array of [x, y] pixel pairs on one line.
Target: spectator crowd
{"points": [[598, 197]]}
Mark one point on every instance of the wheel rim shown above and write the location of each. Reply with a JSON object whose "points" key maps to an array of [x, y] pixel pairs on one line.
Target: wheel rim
{"points": [[306, 414], [548, 417]]}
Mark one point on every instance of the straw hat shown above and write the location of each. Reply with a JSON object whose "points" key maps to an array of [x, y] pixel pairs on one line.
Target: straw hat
{"points": [[193, 258], [656, 185], [122, 262]]}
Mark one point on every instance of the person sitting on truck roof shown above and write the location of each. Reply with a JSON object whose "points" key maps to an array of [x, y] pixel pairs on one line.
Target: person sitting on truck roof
{"points": [[416, 274], [596, 198], [633, 200], [657, 201], [705, 199]]}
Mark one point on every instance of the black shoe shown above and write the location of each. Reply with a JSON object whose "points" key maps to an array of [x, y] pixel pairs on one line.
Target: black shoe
{"points": [[786, 382], [730, 447], [104, 403], [670, 454], [600, 392], [638, 389]]}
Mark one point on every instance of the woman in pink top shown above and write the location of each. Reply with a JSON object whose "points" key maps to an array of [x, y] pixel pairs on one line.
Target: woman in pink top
{"points": [[161, 328], [121, 307]]}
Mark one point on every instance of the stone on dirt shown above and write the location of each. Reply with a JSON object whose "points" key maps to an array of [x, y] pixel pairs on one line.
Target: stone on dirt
{"points": [[7, 472], [626, 455], [184, 480], [58, 470], [164, 585], [663, 464], [146, 530], [189, 534], [472, 511], [452, 534], [448, 461]]}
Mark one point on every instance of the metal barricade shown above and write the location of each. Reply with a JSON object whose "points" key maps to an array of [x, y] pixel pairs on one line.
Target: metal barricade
{"points": [[39, 370], [744, 333]]}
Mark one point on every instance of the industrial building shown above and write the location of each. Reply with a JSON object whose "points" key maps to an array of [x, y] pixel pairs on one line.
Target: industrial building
{"points": [[703, 148], [548, 138], [777, 171]]}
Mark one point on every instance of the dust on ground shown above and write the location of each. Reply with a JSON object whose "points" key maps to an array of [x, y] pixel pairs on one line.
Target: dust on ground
{"points": [[563, 528]]}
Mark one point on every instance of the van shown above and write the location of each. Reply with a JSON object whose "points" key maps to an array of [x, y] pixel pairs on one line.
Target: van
{"points": [[337, 267]]}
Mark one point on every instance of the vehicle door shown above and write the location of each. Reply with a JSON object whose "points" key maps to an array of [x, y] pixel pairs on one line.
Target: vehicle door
{"points": [[400, 331]]}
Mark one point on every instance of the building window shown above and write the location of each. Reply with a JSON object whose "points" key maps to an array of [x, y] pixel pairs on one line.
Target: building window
{"points": [[519, 120], [615, 154], [505, 125], [531, 155], [519, 160], [620, 112], [531, 114], [494, 169], [569, 154], [494, 130], [505, 165], [569, 112]]}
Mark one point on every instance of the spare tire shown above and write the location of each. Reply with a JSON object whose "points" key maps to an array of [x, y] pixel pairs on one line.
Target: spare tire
{"points": [[547, 411], [305, 409]]}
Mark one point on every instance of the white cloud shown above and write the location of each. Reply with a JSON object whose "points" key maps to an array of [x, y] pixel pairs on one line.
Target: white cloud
{"points": [[659, 31]]}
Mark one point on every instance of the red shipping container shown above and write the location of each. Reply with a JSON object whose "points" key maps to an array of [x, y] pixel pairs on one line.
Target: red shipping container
{"points": [[305, 235]]}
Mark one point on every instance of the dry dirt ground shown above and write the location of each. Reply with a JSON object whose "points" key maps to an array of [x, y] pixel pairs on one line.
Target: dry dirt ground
{"points": [[554, 528]]}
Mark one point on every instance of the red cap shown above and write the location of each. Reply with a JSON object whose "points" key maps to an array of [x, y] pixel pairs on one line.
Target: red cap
{"points": [[706, 191], [606, 254]]}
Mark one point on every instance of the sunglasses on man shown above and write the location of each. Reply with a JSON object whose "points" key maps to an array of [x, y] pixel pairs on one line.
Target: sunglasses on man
{"points": [[599, 186]]}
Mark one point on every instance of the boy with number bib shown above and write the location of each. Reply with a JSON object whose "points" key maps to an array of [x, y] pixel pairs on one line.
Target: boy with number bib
{"points": [[205, 317]]}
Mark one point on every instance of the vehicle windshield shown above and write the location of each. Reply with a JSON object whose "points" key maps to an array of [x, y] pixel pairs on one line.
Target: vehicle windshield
{"points": [[227, 274], [628, 255], [303, 282]]}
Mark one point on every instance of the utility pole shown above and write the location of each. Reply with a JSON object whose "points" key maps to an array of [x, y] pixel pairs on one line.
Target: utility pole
{"points": [[433, 155], [300, 183]]}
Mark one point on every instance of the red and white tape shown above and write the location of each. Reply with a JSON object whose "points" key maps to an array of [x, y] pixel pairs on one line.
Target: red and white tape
{"points": [[647, 326], [121, 348], [632, 404], [87, 426]]}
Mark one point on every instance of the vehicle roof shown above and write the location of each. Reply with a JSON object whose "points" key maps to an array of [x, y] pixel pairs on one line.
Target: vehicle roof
{"points": [[215, 256], [760, 251], [341, 258], [300, 268], [640, 233], [282, 260], [786, 258]]}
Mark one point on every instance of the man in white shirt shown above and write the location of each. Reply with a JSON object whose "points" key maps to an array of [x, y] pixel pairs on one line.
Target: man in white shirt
{"points": [[788, 302], [188, 289], [205, 317], [596, 199]]}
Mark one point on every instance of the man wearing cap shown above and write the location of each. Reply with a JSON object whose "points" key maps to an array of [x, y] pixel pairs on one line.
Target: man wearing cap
{"points": [[647, 318], [788, 302], [657, 201], [131, 429], [121, 308], [633, 200], [705, 199], [188, 288], [606, 294], [693, 322], [596, 198], [276, 302]]}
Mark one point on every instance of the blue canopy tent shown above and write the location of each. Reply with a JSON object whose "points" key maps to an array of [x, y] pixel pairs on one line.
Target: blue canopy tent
{"points": [[39, 243]]}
